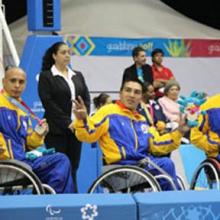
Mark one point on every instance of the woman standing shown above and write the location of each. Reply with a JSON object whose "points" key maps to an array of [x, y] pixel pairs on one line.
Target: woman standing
{"points": [[58, 86]]}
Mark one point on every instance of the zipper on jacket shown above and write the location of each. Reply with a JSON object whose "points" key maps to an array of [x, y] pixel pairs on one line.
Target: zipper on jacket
{"points": [[9, 149], [123, 151], [135, 135]]}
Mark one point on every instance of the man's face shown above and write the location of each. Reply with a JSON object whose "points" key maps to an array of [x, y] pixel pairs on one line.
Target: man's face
{"points": [[14, 82], [158, 58], [140, 59], [131, 95]]}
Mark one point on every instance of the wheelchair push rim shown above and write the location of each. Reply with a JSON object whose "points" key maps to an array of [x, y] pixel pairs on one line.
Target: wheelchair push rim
{"points": [[120, 173], [206, 176]]}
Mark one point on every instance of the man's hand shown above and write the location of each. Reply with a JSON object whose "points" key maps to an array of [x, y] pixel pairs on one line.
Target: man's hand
{"points": [[183, 127], [80, 110], [42, 128]]}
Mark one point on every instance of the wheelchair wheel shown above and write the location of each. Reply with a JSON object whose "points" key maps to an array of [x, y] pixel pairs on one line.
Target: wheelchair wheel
{"points": [[206, 176], [125, 179], [181, 183], [48, 189], [16, 179]]}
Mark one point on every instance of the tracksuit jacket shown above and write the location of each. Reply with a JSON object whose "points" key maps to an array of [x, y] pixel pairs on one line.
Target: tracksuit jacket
{"points": [[124, 136], [17, 137], [206, 135]]}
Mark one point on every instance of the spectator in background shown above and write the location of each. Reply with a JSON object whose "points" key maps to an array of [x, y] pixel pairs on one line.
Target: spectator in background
{"points": [[58, 86], [169, 104], [139, 70], [101, 100], [161, 74], [151, 109], [17, 135]]}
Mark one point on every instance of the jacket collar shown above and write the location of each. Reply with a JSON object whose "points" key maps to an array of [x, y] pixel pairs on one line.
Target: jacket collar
{"points": [[56, 72], [121, 105], [5, 94]]}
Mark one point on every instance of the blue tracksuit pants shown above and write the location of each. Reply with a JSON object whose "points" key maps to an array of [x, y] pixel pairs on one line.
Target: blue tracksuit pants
{"points": [[54, 170]]}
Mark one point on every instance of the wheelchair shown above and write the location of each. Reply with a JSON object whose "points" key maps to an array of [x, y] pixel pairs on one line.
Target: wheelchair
{"points": [[132, 179], [17, 178], [207, 175]]}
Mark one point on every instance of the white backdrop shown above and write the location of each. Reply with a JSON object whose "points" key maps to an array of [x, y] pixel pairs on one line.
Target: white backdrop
{"points": [[105, 73]]}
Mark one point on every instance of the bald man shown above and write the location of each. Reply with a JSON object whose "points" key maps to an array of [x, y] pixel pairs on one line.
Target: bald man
{"points": [[17, 135]]}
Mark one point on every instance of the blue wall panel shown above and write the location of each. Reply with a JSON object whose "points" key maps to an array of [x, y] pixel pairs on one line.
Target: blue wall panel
{"points": [[185, 205], [191, 158], [90, 166], [68, 207]]}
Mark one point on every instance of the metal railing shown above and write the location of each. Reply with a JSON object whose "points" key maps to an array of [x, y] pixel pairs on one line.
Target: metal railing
{"points": [[5, 30]]}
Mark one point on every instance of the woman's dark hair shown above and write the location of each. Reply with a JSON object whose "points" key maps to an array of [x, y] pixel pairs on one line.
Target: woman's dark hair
{"points": [[100, 100], [48, 59]]}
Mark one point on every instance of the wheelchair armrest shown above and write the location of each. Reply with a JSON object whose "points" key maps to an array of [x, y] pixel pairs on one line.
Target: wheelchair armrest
{"points": [[110, 167]]}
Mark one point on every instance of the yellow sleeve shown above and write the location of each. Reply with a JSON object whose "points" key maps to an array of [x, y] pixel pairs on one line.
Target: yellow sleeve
{"points": [[164, 144], [33, 140], [205, 139], [92, 128], [5, 154], [2, 140]]}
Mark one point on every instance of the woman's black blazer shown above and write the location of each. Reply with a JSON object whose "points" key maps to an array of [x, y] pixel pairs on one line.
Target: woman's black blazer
{"points": [[55, 96]]}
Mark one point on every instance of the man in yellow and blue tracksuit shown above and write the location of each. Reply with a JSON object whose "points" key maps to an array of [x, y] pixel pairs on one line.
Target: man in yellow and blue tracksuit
{"points": [[124, 135], [17, 135], [206, 135]]}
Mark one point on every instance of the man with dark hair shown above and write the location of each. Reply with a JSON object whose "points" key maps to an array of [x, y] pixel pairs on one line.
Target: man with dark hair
{"points": [[124, 135], [17, 135], [139, 70], [161, 74]]}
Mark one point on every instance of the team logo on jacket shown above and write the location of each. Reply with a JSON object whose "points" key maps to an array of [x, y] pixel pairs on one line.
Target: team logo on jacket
{"points": [[144, 128], [25, 125]]}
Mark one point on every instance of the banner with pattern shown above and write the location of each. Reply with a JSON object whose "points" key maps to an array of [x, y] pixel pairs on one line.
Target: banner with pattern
{"points": [[110, 46]]}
